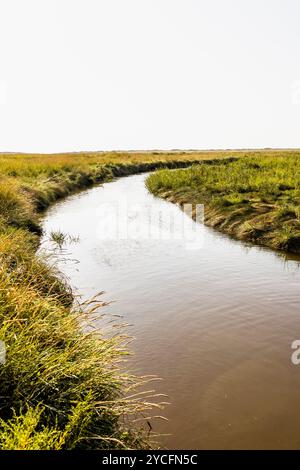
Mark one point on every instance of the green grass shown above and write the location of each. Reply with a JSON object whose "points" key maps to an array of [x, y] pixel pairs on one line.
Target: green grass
{"points": [[255, 198]]}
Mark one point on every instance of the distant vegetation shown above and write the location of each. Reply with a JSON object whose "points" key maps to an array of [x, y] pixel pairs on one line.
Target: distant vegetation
{"points": [[256, 198], [30, 182]]}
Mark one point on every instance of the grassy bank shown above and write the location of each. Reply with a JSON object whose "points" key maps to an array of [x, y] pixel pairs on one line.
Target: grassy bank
{"points": [[255, 198], [60, 388]]}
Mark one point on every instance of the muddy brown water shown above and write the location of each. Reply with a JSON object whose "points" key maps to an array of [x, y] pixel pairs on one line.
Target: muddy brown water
{"points": [[215, 319]]}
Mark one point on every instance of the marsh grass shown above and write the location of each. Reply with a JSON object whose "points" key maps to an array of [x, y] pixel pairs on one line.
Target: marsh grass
{"points": [[61, 387], [255, 198]]}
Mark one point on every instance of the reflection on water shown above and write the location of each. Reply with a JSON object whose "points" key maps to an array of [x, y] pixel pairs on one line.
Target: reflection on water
{"points": [[215, 323]]}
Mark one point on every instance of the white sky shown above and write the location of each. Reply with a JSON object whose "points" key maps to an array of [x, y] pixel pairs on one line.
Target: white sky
{"points": [[144, 74]]}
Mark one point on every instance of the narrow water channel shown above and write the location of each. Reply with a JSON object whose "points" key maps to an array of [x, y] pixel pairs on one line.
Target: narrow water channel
{"points": [[214, 321]]}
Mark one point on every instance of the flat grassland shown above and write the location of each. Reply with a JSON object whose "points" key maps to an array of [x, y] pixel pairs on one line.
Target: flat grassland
{"points": [[256, 198]]}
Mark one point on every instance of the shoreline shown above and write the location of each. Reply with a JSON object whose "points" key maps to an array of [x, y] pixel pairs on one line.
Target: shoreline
{"points": [[267, 219]]}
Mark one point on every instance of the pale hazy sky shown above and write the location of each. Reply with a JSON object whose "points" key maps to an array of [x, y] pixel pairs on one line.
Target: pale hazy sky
{"points": [[138, 74]]}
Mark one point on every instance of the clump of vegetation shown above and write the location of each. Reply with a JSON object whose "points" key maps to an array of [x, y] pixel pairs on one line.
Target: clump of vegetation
{"points": [[255, 198]]}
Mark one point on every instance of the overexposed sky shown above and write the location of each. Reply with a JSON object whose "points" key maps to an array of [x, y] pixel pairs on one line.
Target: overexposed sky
{"points": [[144, 74]]}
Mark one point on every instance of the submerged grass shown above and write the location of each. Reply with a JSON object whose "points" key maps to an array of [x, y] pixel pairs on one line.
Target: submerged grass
{"points": [[255, 198]]}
